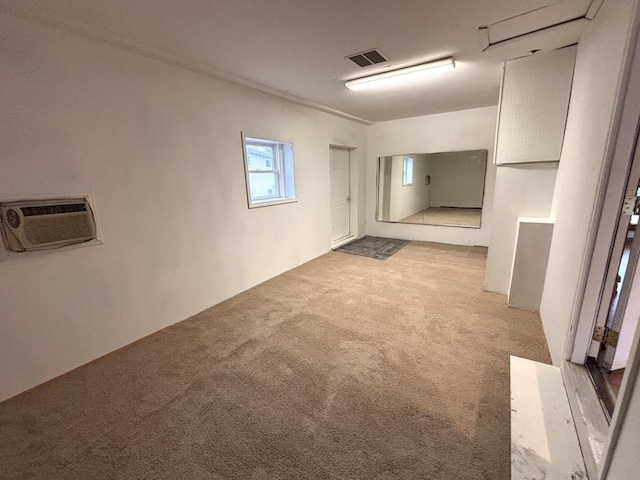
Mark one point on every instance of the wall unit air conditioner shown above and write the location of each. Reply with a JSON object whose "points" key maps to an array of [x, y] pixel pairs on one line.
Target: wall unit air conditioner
{"points": [[41, 224]]}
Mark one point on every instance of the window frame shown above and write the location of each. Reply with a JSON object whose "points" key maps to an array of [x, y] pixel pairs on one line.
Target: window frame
{"points": [[283, 168]]}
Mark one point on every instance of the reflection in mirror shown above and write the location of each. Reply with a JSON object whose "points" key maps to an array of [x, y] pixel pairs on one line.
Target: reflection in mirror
{"points": [[432, 188]]}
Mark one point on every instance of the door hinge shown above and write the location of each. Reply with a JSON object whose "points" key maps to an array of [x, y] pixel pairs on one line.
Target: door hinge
{"points": [[607, 336], [629, 205]]}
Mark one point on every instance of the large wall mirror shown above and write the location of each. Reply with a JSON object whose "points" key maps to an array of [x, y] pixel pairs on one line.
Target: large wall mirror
{"points": [[444, 188]]}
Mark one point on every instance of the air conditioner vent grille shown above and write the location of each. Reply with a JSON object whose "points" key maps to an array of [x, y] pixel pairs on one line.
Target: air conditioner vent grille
{"points": [[370, 57], [57, 229], [53, 209]]}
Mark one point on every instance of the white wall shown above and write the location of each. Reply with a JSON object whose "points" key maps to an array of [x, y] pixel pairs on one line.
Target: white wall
{"points": [[534, 101], [159, 148], [521, 191], [458, 180], [464, 130], [422, 166], [598, 68], [599, 64], [533, 240], [384, 187], [405, 200], [397, 197]]}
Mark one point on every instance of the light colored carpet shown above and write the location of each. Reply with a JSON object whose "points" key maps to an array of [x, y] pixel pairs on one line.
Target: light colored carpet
{"points": [[461, 217], [343, 368]]}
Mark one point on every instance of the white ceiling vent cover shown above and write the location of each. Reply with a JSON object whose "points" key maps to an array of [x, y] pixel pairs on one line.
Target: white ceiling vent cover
{"points": [[42, 224]]}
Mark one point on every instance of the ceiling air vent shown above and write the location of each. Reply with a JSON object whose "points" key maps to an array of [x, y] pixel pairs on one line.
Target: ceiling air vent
{"points": [[367, 58]]}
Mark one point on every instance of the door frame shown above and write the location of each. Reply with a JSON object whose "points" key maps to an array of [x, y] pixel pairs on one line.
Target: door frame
{"points": [[608, 243], [607, 355], [622, 164], [354, 195], [616, 176]]}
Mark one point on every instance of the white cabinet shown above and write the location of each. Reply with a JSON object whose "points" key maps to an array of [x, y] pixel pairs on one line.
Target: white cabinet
{"points": [[534, 102]]}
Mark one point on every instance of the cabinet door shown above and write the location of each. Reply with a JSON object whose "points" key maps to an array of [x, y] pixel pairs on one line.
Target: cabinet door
{"points": [[533, 107]]}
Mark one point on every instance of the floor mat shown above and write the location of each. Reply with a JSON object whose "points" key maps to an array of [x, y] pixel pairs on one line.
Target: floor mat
{"points": [[373, 247]]}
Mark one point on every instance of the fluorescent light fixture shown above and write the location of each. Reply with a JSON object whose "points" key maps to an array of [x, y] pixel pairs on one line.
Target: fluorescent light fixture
{"points": [[401, 75]]}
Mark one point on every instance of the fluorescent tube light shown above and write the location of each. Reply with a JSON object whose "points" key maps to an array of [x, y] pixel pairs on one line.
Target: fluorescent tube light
{"points": [[401, 75]]}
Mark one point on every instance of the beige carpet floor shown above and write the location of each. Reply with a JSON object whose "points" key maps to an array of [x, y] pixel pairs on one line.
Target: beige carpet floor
{"points": [[462, 217], [343, 368]]}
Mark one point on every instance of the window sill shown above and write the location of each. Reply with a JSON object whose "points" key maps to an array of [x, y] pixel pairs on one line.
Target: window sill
{"points": [[273, 202]]}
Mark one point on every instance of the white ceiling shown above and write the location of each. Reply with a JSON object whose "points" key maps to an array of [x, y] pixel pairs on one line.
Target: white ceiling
{"points": [[298, 47]]}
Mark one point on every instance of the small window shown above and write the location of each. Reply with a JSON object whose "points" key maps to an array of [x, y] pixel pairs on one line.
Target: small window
{"points": [[269, 171], [407, 172]]}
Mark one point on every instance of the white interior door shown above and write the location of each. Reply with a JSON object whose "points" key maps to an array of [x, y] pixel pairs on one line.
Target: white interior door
{"points": [[340, 201]]}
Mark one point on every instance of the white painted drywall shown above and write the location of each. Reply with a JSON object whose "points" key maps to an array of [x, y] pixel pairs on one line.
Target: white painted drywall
{"points": [[524, 190], [457, 180], [159, 148], [424, 168], [405, 200], [533, 107], [535, 93], [463, 130], [384, 165], [530, 258], [396, 198], [427, 170], [598, 68]]}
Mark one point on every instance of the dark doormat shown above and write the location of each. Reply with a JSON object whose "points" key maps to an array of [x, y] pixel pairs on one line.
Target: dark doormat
{"points": [[373, 247]]}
